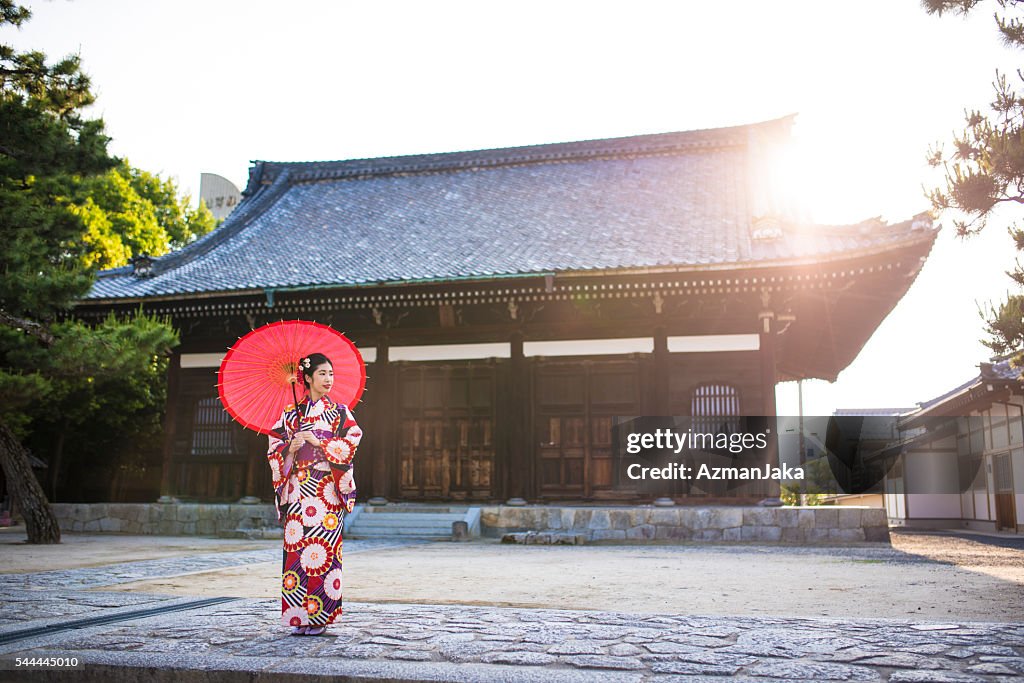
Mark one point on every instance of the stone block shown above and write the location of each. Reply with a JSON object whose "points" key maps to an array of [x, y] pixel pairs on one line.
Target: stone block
{"points": [[805, 519], [732, 534], [816, 535], [698, 518], [619, 519], [110, 524], [771, 534], [91, 525], [758, 516], [581, 519], [637, 517], [571, 539], [489, 517], [600, 520], [676, 533], [507, 517], [846, 535], [877, 534], [82, 512], [788, 517], [608, 535], [641, 532], [849, 518], [708, 535], [524, 518], [661, 517], [792, 534], [543, 518], [726, 517], [553, 519], [874, 517], [826, 518], [568, 516]]}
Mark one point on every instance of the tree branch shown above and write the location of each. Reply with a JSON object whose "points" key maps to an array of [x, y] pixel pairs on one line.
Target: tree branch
{"points": [[30, 327]]}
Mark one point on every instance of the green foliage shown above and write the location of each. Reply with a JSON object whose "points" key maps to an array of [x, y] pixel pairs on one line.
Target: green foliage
{"points": [[45, 143], [128, 212], [818, 482], [986, 171], [67, 207], [790, 495], [1005, 326]]}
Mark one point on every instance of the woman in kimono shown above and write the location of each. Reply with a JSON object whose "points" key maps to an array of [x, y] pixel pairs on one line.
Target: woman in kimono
{"points": [[311, 450]]}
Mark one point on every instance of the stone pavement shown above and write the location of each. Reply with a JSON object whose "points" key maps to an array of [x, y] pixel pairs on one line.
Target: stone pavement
{"points": [[242, 640]]}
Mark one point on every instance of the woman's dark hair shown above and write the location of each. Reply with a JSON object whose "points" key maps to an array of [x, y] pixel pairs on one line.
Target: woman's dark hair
{"points": [[310, 363]]}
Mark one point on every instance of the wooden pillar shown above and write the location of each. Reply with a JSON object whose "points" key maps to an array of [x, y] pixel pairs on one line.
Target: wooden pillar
{"points": [[767, 322], [662, 371], [384, 424], [519, 463], [767, 353], [167, 486]]}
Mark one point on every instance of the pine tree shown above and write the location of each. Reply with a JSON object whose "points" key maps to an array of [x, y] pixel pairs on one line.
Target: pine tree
{"points": [[49, 151], [986, 171]]}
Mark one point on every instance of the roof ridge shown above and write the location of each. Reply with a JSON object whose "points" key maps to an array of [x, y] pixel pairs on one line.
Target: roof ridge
{"points": [[597, 148]]}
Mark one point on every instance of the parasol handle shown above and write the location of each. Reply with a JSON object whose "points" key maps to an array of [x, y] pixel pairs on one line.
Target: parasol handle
{"points": [[295, 398]]}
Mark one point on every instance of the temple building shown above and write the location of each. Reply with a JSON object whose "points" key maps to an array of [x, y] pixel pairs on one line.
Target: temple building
{"points": [[510, 303]]}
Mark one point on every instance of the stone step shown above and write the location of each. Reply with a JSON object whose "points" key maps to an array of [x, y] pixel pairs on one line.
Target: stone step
{"points": [[412, 517], [412, 532], [412, 521], [431, 528], [414, 510]]}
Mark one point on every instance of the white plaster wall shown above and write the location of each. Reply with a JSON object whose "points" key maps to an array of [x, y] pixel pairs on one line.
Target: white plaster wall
{"points": [[933, 505]]}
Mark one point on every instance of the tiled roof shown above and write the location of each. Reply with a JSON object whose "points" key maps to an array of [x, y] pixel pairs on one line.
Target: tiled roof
{"points": [[871, 412], [1000, 371], [666, 201]]}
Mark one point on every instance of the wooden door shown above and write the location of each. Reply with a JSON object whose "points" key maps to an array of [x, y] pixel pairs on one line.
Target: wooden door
{"points": [[446, 431], [576, 402], [1006, 514]]}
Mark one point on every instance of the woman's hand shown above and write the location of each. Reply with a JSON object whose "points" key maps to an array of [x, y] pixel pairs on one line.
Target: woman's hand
{"points": [[307, 437], [296, 443]]}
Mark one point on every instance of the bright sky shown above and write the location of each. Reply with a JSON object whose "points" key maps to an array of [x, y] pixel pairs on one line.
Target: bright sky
{"points": [[187, 87]]}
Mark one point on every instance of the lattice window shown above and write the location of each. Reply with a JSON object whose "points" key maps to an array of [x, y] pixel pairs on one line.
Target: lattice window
{"points": [[712, 402], [213, 432]]}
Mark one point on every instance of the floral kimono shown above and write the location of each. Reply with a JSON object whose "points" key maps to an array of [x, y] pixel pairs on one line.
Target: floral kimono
{"points": [[312, 500]]}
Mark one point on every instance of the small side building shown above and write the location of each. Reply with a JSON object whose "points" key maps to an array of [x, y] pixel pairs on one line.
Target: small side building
{"points": [[963, 461]]}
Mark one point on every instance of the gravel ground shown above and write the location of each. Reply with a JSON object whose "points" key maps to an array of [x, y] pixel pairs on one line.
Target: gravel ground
{"points": [[922, 576]]}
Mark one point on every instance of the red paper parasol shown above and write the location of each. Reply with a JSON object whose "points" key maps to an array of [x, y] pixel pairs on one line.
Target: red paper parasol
{"points": [[255, 379]]}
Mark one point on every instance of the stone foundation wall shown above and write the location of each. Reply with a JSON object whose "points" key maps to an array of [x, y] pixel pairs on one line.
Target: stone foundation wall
{"points": [[785, 524], [166, 519], [643, 523]]}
